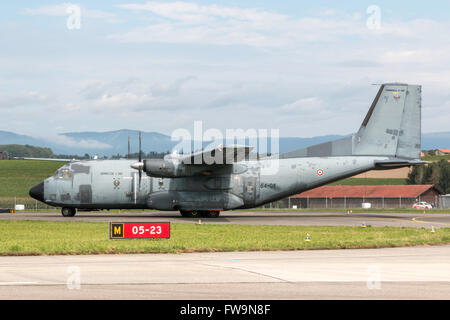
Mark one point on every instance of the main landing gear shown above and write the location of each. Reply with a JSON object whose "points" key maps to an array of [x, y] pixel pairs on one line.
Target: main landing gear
{"points": [[199, 214], [68, 212]]}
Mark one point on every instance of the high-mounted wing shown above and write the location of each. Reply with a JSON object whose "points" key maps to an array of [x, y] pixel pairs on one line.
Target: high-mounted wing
{"points": [[197, 163], [44, 159], [218, 156]]}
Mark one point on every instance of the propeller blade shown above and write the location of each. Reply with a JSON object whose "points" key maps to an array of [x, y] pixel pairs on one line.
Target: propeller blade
{"points": [[140, 164], [128, 157], [140, 151], [140, 158]]}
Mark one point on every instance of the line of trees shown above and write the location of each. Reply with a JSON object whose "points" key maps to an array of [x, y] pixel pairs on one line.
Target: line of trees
{"points": [[150, 155], [11, 151], [437, 173], [17, 150]]}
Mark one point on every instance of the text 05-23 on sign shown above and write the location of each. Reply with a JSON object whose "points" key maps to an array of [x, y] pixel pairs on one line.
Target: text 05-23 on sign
{"points": [[129, 230]]}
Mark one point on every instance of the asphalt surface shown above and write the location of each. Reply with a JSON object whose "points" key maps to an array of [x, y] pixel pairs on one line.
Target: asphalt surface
{"points": [[416, 220], [389, 273]]}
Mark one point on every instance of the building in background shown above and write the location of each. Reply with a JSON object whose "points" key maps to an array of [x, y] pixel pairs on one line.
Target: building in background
{"points": [[442, 152], [379, 196]]}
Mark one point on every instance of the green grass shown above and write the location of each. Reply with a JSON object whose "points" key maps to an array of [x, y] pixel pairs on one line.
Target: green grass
{"points": [[369, 181], [18, 176], [49, 238]]}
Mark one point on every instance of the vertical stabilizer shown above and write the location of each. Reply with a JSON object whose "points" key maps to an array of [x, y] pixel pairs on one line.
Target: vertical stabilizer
{"points": [[392, 125]]}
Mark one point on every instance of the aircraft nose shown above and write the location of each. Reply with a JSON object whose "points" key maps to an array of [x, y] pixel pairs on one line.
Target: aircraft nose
{"points": [[37, 192]]}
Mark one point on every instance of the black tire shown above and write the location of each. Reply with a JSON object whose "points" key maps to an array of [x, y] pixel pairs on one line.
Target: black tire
{"points": [[213, 214], [210, 214], [68, 212], [185, 214], [190, 214]]}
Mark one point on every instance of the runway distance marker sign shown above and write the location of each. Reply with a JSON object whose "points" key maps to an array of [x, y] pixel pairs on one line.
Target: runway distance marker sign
{"points": [[137, 230]]}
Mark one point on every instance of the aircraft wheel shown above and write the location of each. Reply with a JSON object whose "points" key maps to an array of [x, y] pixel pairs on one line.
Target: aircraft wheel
{"points": [[68, 212], [196, 214], [190, 214], [210, 214], [185, 214], [213, 214]]}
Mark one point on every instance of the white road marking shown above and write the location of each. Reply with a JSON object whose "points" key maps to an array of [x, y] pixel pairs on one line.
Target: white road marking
{"points": [[16, 283]]}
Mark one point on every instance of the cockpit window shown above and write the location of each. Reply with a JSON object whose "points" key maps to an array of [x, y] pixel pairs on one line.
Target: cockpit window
{"points": [[63, 173]]}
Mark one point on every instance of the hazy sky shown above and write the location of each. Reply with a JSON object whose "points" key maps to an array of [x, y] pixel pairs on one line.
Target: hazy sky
{"points": [[304, 67]]}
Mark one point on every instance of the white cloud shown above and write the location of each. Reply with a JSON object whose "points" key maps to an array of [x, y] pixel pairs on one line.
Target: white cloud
{"points": [[66, 141], [308, 74], [22, 99], [331, 34], [189, 12], [129, 95], [310, 104], [60, 10], [185, 22], [57, 10]]}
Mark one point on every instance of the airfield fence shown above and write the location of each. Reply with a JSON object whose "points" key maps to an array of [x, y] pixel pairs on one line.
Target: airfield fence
{"points": [[301, 203], [445, 201], [351, 203], [29, 203]]}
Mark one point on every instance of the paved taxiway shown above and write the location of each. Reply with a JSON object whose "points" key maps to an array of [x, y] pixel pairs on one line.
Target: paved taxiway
{"points": [[389, 273], [405, 273], [417, 220]]}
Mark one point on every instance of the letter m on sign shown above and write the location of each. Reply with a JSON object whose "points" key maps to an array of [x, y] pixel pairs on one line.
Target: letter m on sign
{"points": [[116, 230]]}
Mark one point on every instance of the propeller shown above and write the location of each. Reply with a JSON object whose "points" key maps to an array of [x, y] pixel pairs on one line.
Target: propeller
{"points": [[140, 159], [128, 156], [140, 164]]}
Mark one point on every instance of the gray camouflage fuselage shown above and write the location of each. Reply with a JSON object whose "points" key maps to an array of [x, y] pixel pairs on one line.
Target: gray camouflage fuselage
{"points": [[106, 184], [389, 137]]}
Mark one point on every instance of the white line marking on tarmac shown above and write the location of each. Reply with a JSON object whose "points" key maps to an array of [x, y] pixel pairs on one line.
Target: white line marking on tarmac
{"points": [[16, 283]]}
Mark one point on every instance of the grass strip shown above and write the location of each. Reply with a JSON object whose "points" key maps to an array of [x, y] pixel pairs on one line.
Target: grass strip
{"points": [[62, 238]]}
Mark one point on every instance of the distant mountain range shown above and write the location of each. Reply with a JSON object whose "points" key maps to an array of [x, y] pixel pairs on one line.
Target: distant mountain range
{"points": [[116, 142]]}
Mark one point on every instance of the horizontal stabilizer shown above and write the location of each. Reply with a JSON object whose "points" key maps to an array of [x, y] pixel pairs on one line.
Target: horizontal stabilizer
{"points": [[397, 163]]}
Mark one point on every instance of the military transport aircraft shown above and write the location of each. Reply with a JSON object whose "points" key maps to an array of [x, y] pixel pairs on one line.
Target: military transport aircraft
{"points": [[389, 137]]}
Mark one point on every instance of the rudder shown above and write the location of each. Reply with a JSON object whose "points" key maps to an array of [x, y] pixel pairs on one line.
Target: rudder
{"points": [[392, 124]]}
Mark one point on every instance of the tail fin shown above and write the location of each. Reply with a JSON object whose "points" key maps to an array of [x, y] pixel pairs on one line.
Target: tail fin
{"points": [[392, 125], [391, 128]]}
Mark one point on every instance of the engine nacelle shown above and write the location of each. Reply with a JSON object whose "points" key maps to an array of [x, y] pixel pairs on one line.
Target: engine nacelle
{"points": [[160, 168]]}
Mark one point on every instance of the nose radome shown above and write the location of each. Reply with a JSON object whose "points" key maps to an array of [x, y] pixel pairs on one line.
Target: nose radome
{"points": [[37, 192]]}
